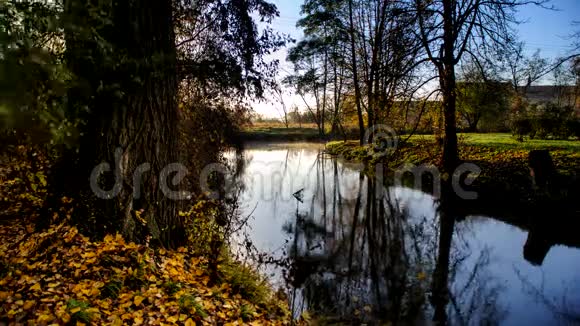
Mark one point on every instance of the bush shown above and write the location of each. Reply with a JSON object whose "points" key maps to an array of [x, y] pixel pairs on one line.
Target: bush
{"points": [[523, 127], [551, 122], [573, 126]]}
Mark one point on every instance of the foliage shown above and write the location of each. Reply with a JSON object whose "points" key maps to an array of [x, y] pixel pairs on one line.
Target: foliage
{"points": [[34, 81], [23, 181], [59, 276], [480, 99], [221, 51], [546, 121]]}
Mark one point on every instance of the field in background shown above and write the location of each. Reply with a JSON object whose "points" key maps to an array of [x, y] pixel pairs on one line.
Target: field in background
{"points": [[278, 132], [507, 141]]}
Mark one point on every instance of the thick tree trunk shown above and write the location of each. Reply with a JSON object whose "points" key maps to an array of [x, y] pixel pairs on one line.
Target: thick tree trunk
{"points": [[131, 124]]}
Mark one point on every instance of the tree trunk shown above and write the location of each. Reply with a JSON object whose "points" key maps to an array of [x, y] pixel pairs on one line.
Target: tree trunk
{"points": [[450, 156], [448, 88], [357, 92], [131, 125], [440, 284], [325, 84]]}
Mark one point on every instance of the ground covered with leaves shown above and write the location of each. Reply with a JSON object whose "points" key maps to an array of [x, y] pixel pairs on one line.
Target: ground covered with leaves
{"points": [[59, 276]]}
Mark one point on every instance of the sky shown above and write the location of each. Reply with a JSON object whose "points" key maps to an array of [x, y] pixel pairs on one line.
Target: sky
{"points": [[542, 29]]}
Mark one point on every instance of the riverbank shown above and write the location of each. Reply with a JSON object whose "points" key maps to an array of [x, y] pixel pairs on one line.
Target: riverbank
{"points": [[277, 132], [59, 276], [494, 151], [503, 161]]}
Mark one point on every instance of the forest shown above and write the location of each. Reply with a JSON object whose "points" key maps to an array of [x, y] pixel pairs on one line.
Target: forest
{"points": [[128, 141]]}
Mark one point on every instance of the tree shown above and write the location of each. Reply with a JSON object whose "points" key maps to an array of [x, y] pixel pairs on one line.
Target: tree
{"points": [[127, 80], [318, 60], [221, 51], [129, 60], [480, 96], [524, 70], [449, 29], [361, 48], [279, 92], [388, 52], [355, 73]]}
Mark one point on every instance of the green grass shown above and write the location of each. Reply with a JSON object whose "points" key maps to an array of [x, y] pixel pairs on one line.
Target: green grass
{"points": [[278, 132], [79, 311], [500, 152], [507, 141], [273, 131]]}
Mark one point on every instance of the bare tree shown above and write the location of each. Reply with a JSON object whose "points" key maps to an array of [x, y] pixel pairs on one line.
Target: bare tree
{"points": [[524, 70], [357, 92], [279, 93], [448, 30]]}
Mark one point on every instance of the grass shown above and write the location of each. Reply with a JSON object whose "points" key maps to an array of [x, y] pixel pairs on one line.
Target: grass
{"points": [[279, 132], [507, 141], [502, 160], [79, 311]]}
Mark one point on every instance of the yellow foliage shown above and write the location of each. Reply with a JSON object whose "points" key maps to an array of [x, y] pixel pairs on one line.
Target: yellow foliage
{"points": [[135, 290]]}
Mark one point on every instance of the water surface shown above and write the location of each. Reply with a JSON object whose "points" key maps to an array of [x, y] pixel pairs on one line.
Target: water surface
{"points": [[351, 248]]}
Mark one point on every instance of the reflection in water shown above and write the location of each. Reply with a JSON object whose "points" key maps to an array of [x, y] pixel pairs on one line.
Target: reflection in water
{"points": [[360, 251]]}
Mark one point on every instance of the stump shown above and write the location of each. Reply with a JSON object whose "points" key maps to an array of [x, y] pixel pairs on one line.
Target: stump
{"points": [[542, 167], [536, 248]]}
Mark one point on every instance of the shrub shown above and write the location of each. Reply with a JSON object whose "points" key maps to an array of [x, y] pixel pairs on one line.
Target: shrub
{"points": [[549, 121], [523, 127], [573, 126]]}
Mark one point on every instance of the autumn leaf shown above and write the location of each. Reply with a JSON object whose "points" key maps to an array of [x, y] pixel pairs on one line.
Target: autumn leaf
{"points": [[137, 300], [28, 304]]}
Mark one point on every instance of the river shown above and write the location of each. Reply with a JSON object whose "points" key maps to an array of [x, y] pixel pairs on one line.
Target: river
{"points": [[349, 248]]}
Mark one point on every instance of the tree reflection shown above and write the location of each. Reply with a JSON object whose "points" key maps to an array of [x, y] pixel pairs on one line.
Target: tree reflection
{"points": [[564, 310], [364, 258], [358, 251]]}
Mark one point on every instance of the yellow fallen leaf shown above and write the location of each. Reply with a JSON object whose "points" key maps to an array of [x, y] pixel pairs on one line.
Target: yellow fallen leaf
{"points": [[43, 318], [28, 304], [117, 321], [173, 319], [53, 285], [35, 287], [4, 295], [138, 299], [189, 322]]}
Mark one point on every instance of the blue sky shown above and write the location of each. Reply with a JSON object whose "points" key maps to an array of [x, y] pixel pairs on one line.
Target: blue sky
{"points": [[542, 29], [547, 30]]}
